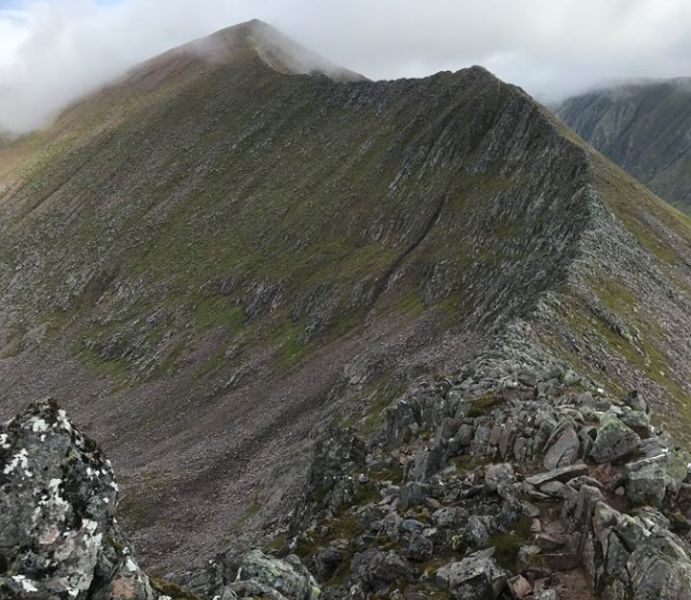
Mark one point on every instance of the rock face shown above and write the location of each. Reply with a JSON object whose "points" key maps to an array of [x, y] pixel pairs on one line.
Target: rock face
{"points": [[58, 535]]}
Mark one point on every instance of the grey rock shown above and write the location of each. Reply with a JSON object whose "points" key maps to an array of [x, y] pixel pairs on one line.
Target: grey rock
{"points": [[327, 560], [561, 474], [413, 493], [58, 535], [615, 440], [375, 569], [498, 474], [477, 576], [646, 482], [655, 575], [286, 577], [449, 517], [476, 533], [419, 548], [564, 450]]}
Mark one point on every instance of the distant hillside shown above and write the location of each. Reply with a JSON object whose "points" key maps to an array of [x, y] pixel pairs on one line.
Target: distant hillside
{"points": [[645, 128], [213, 258]]}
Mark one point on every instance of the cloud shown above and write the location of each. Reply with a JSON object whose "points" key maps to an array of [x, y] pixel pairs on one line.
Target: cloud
{"points": [[52, 51]]}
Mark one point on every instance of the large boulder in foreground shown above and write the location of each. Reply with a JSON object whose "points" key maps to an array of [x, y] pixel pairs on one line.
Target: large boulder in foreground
{"points": [[261, 575], [59, 539]]}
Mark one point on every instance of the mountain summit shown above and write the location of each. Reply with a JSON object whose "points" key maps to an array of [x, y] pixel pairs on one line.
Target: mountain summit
{"points": [[213, 259], [258, 42]]}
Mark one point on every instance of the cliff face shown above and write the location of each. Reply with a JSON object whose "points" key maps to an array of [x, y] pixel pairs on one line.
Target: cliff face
{"points": [[644, 128], [216, 256]]}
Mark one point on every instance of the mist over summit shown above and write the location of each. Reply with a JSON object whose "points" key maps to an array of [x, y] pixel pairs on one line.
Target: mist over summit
{"points": [[51, 53]]}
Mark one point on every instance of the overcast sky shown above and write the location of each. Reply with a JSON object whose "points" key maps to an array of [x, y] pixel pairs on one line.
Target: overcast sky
{"points": [[52, 51]]}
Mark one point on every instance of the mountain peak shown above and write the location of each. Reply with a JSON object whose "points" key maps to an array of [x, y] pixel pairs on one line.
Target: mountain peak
{"points": [[273, 48]]}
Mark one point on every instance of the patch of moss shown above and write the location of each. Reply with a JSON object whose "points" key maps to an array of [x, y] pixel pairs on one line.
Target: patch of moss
{"points": [[508, 544], [393, 474], [171, 589], [382, 393], [482, 406], [465, 463]]}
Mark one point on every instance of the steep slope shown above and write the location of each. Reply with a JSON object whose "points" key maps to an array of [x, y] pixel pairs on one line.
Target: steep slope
{"points": [[645, 128], [215, 256]]}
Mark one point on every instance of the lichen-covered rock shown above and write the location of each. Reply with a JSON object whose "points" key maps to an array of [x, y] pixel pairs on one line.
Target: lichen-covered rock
{"points": [[476, 576], [657, 575], [646, 482], [260, 573], [374, 569], [58, 536], [640, 557], [614, 440], [563, 449]]}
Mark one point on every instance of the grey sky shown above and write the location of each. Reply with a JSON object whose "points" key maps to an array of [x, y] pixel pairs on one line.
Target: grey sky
{"points": [[51, 51]]}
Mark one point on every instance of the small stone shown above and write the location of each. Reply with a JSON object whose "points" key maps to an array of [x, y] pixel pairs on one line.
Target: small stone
{"points": [[562, 474], [497, 475], [520, 587]]}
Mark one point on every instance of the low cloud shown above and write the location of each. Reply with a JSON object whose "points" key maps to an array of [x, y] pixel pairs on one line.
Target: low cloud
{"points": [[52, 51]]}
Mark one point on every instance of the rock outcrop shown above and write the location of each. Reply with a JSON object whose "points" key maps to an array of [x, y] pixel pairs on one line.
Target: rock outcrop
{"points": [[59, 538], [453, 496]]}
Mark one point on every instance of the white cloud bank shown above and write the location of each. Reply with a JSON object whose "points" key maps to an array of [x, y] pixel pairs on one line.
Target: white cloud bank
{"points": [[52, 51]]}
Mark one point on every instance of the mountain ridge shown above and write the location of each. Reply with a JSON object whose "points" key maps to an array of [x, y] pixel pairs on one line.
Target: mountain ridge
{"points": [[643, 127], [202, 264]]}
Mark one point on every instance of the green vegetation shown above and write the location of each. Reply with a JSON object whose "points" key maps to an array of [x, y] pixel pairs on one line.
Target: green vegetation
{"points": [[482, 406], [171, 589], [508, 544], [383, 393]]}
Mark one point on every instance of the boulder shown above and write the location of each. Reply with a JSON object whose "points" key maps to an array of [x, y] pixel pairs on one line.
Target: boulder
{"points": [[327, 560], [288, 577], [646, 482], [419, 548], [497, 475], [374, 569], [563, 449], [58, 535], [659, 575], [615, 440], [477, 576]]}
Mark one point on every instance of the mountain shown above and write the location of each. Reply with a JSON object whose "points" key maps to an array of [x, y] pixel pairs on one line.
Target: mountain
{"points": [[645, 128], [235, 245]]}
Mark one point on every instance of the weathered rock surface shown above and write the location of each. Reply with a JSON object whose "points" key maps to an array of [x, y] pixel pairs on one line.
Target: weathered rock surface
{"points": [[58, 535], [263, 575], [492, 522], [59, 539], [476, 576]]}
